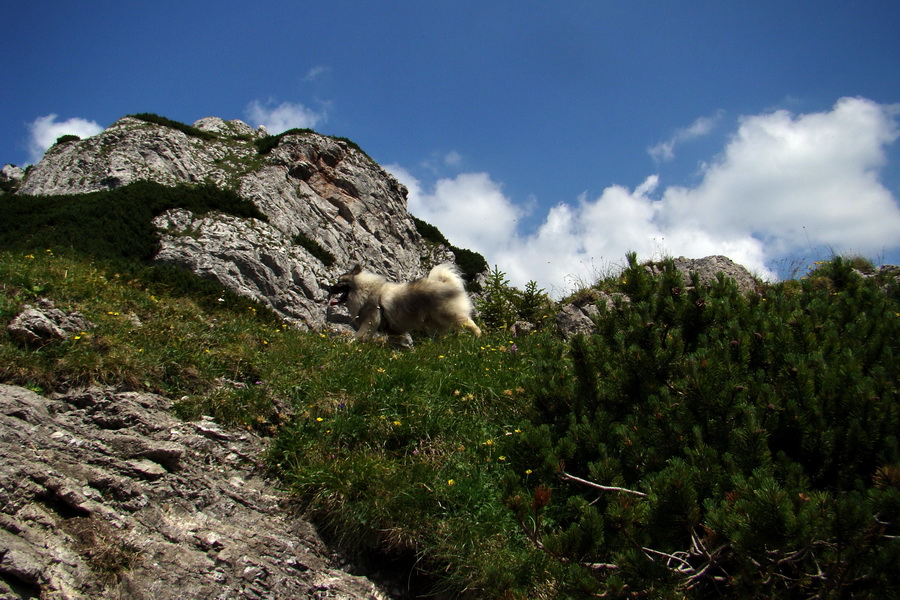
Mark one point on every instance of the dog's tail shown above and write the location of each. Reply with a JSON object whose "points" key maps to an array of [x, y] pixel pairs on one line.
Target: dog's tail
{"points": [[448, 273]]}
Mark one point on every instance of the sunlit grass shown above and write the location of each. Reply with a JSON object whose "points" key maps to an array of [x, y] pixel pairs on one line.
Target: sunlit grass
{"points": [[434, 453]]}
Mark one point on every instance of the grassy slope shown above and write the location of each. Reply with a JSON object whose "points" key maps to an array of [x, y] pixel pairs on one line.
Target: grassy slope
{"points": [[442, 452], [762, 432]]}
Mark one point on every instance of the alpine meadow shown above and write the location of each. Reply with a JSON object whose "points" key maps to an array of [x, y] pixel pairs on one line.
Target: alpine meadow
{"points": [[700, 442]]}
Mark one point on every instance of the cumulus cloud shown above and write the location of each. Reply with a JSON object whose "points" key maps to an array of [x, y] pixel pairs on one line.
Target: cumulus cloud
{"points": [[282, 117], [471, 209], [44, 131], [665, 151], [791, 181], [783, 184]]}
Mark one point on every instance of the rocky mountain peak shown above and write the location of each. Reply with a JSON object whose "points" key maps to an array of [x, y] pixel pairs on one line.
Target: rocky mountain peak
{"points": [[327, 205]]}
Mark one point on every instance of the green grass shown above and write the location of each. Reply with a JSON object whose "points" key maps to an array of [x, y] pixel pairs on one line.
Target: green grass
{"points": [[761, 431]]}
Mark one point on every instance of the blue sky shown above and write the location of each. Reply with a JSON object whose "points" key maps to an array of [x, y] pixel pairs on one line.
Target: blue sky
{"points": [[553, 137]]}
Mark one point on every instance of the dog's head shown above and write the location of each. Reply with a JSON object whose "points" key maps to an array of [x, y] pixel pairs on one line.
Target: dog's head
{"points": [[343, 287]]}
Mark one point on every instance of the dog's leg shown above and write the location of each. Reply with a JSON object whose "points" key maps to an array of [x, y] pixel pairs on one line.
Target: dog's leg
{"points": [[471, 326], [369, 320]]}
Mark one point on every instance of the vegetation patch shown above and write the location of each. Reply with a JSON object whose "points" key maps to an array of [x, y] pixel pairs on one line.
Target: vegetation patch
{"points": [[114, 229], [182, 127], [102, 548], [266, 144], [65, 139], [114, 224], [701, 444], [471, 263], [315, 248]]}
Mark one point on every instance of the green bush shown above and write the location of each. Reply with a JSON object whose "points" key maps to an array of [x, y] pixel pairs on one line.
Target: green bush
{"points": [[501, 305], [65, 139], [182, 127], [266, 144], [114, 228], [114, 224], [471, 263], [429, 232], [496, 307], [755, 439]]}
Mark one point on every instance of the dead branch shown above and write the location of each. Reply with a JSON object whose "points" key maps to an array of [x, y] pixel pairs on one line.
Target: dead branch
{"points": [[606, 488]]}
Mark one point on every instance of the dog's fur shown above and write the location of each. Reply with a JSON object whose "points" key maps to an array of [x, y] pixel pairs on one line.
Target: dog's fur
{"points": [[433, 304]]}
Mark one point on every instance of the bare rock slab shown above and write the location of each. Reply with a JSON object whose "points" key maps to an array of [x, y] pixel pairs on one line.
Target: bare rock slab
{"points": [[106, 495]]}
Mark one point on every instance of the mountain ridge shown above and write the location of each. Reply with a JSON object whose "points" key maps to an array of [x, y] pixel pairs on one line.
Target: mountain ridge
{"points": [[327, 206]]}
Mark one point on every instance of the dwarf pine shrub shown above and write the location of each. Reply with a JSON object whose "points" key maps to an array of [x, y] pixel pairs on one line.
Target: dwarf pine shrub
{"points": [[65, 139], [500, 305], [114, 228], [315, 248], [755, 439]]}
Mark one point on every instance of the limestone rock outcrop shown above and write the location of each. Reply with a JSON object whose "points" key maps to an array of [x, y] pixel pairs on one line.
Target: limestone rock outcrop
{"points": [[708, 269], [44, 323], [328, 206], [106, 495], [11, 175]]}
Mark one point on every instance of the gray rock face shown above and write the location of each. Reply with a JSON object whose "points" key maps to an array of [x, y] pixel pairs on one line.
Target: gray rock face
{"points": [[249, 257], [106, 495], [328, 207], [12, 173], [708, 268], [580, 317], [44, 323], [134, 150]]}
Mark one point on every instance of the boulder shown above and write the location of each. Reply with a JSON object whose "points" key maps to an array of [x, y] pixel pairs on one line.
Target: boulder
{"points": [[580, 315], [12, 174], [572, 320], [44, 323], [709, 267]]}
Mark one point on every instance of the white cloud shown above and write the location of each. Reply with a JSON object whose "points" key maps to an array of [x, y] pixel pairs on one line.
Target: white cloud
{"points": [[282, 117], [316, 72], [782, 178], [783, 184], [452, 159], [44, 131], [469, 209], [665, 151]]}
